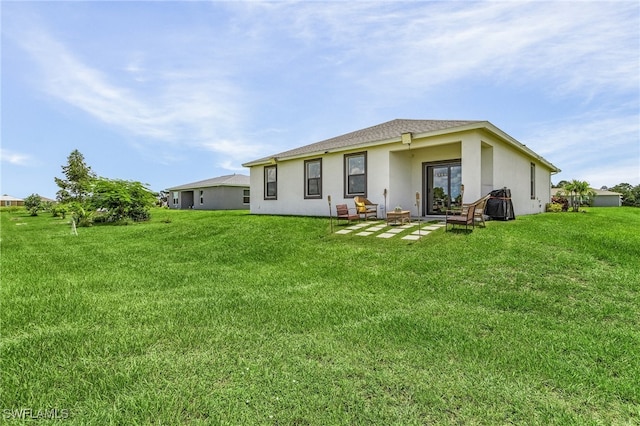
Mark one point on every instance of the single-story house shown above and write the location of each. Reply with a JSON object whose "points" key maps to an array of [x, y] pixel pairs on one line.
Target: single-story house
{"points": [[10, 201], [602, 198], [230, 192], [419, 165], [606, 198]]}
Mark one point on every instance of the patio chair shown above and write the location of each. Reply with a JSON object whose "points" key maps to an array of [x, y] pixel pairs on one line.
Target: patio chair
{"points": [[466, 217], [344, 213], [479, 212], [365, 207]]}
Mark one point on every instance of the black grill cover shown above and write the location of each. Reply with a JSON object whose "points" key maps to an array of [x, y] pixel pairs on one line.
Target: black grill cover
{"points": [[499, 205]]}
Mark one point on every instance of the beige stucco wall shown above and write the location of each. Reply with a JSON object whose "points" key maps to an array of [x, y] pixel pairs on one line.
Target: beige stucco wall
{"points": [[487, 163]]}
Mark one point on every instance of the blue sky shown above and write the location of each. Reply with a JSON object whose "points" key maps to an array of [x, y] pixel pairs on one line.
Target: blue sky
{"points": [[168, 93]]}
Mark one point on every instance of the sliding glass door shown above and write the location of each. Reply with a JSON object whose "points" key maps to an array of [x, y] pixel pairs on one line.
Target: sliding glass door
{"points": [[443, 186]]}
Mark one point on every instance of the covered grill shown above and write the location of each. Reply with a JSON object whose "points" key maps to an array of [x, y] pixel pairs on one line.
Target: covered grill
{"points": [[499, 205]]}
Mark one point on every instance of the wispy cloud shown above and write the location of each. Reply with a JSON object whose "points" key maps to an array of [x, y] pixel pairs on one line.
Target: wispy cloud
{"points": [[15, 158], [601, 147], [576, 48], [191, 107]]}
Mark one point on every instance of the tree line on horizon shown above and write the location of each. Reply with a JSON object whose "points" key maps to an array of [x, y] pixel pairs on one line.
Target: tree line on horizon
{"points": [[630, 193]]}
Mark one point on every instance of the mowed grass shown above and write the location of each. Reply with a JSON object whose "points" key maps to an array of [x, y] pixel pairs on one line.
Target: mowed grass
{"points": [[230, 318]]}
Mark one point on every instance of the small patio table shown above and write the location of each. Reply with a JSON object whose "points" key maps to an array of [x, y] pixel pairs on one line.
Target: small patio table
{"points": [[401, 216]]}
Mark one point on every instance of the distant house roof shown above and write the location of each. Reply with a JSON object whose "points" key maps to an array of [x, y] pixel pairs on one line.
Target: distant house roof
{"points": [[228, 180], [390, 132], [6, 197], [605, 192], [598, 192]]}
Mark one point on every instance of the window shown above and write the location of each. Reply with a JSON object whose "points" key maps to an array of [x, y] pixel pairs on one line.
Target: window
{"points": [[313, 178], [201, 197], [355, 173], [246, 196], [271, 183], [175, 198], [533, 181]]}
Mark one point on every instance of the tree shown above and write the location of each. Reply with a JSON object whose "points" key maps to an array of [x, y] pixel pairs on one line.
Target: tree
{"points": [[122, 199], [33, 203], [630, 194], [579, 192], [79, 178]]}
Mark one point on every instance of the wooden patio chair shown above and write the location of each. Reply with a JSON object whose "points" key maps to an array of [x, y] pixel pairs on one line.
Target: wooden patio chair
{"points": [[365, 207], [466, 217], [344, 213]]}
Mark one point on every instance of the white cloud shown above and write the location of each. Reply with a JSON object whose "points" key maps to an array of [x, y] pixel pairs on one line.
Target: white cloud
{"points": [[579, 48], [601, 147], [15, 158], [191, 107]]}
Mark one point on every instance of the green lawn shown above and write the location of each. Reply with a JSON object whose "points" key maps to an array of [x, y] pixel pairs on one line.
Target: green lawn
{"points": [[228, 318]]}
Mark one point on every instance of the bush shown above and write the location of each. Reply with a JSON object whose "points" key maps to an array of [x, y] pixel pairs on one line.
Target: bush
{"points": [[83, 217], [555, 208], [122, 199], [59, 210], [563, 201], [33, 203]]}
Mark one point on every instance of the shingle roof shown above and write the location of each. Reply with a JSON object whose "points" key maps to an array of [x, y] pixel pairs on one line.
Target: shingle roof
{"points": [[595, 191], [605, 192], [389, 130], [6, 197], [227, 180]]}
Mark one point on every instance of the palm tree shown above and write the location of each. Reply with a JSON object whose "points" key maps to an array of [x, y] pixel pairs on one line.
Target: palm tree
{"points": [[578, 191]]}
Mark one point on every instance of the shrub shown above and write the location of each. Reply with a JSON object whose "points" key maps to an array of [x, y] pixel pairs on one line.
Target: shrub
{"points": [[563, 201], [59, 210], [33, 203], [555, 208]]}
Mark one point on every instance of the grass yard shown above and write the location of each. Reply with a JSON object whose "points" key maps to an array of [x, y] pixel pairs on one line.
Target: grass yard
{"points": [[228, 318]]}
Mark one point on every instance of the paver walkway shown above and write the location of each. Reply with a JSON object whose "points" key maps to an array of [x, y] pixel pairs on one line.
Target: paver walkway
{"points": [[382, 230]]}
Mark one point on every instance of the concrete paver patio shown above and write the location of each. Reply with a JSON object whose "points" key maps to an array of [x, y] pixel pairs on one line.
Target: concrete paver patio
{"points": [[382, 230]]}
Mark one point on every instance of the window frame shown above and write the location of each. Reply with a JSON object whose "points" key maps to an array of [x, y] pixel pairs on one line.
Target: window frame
{"points": [[201, 197], [307, 179], [532, 182], [266, 182], [346, 174], [246, 196]]}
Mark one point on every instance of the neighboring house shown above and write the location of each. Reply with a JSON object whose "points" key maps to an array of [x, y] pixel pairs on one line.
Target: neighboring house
{"points": [[229, 192], [602, 197], [416, 163], [605, 198], [9, 201]]}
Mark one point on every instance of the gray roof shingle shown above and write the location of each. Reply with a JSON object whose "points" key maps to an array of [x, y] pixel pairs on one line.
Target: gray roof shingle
{"points": [[227, 180], [389, 130]]}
